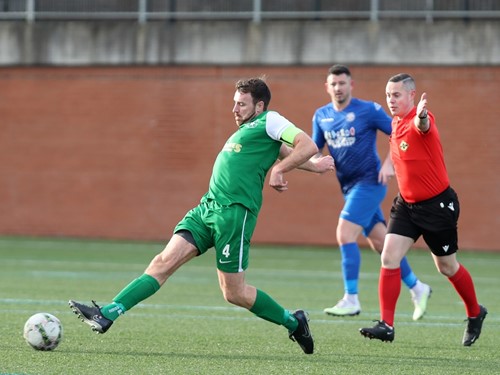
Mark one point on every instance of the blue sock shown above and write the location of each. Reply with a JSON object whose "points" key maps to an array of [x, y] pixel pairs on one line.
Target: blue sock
{"points": [[407, 274], [351, 262]]}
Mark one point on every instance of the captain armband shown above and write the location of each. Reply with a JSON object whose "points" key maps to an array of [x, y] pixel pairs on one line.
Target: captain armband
{"points": [[289, 134]]}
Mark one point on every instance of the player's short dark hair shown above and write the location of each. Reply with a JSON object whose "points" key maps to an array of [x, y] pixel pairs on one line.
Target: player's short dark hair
{"points": [[338, 69], [257, 88], [408, 81]]}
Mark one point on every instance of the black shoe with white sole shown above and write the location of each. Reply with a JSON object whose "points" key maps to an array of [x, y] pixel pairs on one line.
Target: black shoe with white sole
{"points": [[380, 331], [474, 326], [91, 315], [302, 335]]}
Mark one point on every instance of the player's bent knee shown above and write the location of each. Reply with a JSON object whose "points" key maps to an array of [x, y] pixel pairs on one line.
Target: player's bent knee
{"points": [[447, 269], [231, 297], [235, 298]]}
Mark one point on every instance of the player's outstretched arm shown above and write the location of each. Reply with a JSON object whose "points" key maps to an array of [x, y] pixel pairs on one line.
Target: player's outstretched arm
{"points": [[421, 120]]}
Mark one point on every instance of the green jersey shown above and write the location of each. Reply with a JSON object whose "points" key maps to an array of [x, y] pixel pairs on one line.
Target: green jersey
{"points": [[241, 167]]}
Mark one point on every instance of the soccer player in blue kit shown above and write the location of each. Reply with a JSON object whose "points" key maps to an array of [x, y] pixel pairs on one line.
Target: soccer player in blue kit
{"points": [[348, 127]]}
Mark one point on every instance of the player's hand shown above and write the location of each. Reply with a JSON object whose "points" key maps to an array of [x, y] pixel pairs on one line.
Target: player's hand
{"points": [[384, 177], [422, 106], [386, 173], [277, 181], [323, 164]]}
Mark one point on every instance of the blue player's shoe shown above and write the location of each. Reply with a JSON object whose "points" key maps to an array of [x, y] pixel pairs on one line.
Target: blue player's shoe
{"points": [[420, 301], [344, 308]]}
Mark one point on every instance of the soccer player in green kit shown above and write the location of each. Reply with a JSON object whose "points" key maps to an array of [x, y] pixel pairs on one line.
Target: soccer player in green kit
{"points": [[227, 214]]}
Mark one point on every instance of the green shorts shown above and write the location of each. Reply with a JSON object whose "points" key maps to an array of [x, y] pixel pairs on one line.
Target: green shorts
{"points": [[228, 229]]}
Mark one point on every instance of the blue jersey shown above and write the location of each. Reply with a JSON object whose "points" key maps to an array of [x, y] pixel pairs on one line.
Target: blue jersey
{"points": [[351, 137]]}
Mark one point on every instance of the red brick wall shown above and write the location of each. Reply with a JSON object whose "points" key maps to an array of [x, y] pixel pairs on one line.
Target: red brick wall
{"points": [[125, 152]]}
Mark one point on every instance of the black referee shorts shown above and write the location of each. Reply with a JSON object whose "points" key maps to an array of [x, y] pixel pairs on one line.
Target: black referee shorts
{"points": [[435, 219]]}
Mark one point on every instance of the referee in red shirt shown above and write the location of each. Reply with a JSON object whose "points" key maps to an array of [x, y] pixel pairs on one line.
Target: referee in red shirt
{"points": [[425, 206]]}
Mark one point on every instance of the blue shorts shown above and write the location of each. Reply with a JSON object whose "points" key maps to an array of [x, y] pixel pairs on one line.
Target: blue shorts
{"points": [[362, 206]]}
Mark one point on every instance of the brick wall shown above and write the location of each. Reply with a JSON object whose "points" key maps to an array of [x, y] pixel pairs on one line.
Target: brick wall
{"points": [[124, 152]]}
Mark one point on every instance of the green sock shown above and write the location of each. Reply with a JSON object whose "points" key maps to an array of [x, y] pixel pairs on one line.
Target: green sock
{"points": [[291, 321], [138, 290], [268, 309], [113, 310]]}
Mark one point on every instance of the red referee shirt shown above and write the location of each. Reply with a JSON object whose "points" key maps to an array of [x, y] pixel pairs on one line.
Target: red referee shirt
{"points": [[418, 159]]}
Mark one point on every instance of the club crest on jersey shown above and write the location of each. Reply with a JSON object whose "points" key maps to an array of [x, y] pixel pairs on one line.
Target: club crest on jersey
{"points": [[350, 117], [404, 146]]}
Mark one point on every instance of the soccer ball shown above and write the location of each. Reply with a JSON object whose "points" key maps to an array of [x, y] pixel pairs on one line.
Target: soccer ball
{"points": [[43, 331]]}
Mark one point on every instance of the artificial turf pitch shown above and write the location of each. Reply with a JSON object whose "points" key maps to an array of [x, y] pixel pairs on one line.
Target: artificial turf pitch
{"points": [[187, 327]]}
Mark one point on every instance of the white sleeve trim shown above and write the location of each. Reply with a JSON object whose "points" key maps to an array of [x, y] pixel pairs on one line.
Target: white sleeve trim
{"points": [[276, 125]]}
